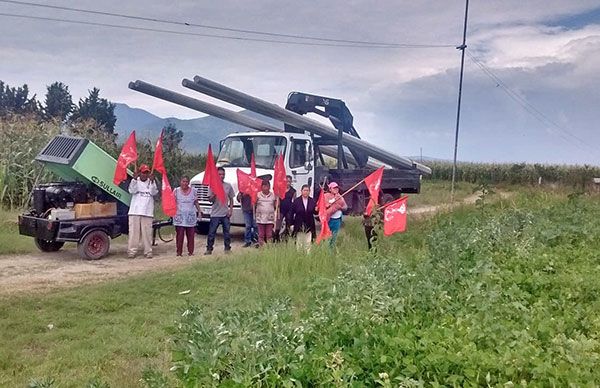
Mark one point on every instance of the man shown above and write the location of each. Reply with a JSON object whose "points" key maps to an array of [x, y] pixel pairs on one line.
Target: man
{"points": [[285, 207], [141, 211], [251, 234], [219, 215]]}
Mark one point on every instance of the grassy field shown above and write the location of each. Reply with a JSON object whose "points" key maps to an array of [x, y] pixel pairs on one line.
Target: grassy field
{"points": [[505, 294], [10, 240]]}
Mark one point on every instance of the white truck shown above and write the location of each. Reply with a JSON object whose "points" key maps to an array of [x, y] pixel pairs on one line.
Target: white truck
{"points": [[236, 150]]}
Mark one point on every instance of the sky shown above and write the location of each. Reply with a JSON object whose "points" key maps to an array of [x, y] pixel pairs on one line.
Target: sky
{"points": [[531, 83]]}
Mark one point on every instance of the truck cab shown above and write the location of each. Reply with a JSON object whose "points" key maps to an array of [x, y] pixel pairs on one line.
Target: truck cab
{"points": [[236, 151]]}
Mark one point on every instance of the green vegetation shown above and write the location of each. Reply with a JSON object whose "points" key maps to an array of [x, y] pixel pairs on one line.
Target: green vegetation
{"points": [[438, 192], [490, 295], [517, 173], [10, 239]]}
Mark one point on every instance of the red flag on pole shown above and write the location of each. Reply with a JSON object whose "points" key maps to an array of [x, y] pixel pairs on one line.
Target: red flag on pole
{"points": [[127, 156], [212, 178], [248, 184], [373, 183], [279, 178], [322, 207], [394, 219], [252, 166], [169, 205]]}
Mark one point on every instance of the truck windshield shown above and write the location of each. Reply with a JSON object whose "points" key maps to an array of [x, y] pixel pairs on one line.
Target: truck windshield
{"points": [[237, 151]]}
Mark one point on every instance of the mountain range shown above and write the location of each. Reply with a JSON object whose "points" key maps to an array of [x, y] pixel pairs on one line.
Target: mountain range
{"points": [[197, 133]]}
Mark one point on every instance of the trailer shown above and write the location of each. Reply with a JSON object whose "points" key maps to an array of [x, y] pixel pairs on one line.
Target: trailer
{"points": [[85, 207], [305, 143]]}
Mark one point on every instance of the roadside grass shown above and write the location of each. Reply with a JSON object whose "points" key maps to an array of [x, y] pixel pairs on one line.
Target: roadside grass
{"points": [[114, 330], [438, 192]]}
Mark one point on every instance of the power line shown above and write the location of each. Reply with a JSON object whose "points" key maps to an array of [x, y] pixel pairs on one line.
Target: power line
{"points": [[532, 110], [239, 38], [231, 29]]}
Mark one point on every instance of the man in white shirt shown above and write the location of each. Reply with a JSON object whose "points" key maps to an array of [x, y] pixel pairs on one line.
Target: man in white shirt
{"points": [[141, 211]]}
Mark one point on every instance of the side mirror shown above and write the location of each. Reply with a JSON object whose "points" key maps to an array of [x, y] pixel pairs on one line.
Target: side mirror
{"points": [[308, 166]]}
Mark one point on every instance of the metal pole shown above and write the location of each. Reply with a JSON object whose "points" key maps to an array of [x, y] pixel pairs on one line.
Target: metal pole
{"points": [[462, 48]]}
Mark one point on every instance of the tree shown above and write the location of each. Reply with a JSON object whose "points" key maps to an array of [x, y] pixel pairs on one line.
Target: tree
{"points": [[17, 100], [59, 103], [172, 138], [99, 109]]}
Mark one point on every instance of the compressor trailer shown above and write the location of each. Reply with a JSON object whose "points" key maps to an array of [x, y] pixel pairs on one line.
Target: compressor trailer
{"points": [[86, 207]]}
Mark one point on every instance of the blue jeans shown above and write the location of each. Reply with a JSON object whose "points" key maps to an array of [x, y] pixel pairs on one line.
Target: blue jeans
{"points": [[251, 235], [212, 232], [334, 225]]}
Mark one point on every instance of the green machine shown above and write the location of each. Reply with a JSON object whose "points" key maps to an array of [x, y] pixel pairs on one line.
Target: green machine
{"points": [[85, 206], [79, 160]]}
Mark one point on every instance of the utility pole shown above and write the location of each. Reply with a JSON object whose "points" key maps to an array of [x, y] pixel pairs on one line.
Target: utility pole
{"points": [[462, 48]]}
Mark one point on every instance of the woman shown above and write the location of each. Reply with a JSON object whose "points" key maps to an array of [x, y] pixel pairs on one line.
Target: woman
{"points": [[303, 219], [186, 216], [285, 208], [335, 206], [266, 211]]}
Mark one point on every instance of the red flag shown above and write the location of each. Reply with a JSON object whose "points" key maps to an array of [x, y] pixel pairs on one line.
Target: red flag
{"points": [[394, 219], [169, 205], [322, 207], [373, 183], [252, 166], [279, 178], [248, 184], [127, 156], [212, 178]]}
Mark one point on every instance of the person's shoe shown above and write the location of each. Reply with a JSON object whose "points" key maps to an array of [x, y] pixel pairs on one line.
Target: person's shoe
{"points": [[190, 253], [131, 256], [227, 250], [178, 255], [208, 253], [148, 255], [248, 244]]}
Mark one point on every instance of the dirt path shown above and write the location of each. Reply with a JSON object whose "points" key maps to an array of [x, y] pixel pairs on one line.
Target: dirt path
{"points": [[42, 271]]}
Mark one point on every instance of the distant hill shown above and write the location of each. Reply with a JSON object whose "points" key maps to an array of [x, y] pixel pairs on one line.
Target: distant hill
{"points": [[197, 133]]}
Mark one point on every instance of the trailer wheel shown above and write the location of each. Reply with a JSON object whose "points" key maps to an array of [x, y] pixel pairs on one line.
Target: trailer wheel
{"points": [[94, 245], [166, 233], [48, 246]]}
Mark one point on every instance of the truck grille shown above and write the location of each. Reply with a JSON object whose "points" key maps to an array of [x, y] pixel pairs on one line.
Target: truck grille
{"points": [[202, 192]]}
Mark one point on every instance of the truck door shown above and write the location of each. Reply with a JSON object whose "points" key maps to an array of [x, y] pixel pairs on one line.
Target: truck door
{"points": [[300, 165]]}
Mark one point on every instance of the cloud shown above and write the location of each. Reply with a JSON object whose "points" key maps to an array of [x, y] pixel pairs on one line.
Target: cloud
{"points": [[409, 93]]}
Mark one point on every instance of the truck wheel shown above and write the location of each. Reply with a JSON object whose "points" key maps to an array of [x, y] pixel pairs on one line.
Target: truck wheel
{"points": [[202, 228], [48, 246], [386, 198], [94, 245]]}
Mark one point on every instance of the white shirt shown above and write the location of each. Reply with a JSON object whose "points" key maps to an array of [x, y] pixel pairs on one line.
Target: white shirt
{"points": [[305, 202], [142, 197]]}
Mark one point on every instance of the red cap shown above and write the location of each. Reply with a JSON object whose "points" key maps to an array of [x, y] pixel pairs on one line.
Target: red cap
{"points": [[144, 168]]}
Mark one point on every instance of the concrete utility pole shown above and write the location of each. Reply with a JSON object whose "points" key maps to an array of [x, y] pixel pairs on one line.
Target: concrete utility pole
{"points": [[462, 48]]}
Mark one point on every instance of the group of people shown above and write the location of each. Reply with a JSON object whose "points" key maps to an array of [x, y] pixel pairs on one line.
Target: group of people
{"points": [[268, 219]]}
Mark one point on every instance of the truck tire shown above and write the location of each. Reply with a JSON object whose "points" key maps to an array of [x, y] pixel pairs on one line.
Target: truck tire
{"points": [[386, 198], [48, 246], [202, 228], [94, 245]]}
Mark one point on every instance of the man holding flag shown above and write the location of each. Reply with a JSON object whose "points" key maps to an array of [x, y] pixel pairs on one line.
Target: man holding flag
{"points": [[141, 211], [220, 193]]}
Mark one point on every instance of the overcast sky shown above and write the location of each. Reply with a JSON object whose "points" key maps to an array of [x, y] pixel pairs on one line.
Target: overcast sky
{"points": [[544, 56]]}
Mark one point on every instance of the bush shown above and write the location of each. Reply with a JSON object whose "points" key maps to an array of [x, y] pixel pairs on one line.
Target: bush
{"points": [[500, 297]]}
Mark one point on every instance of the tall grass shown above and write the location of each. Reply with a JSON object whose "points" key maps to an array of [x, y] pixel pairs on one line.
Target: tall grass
{"points": [[516, 173]]}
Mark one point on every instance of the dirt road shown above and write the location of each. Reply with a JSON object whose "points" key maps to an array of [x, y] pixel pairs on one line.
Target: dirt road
{"points": [[42, 271], [39, 271]]}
